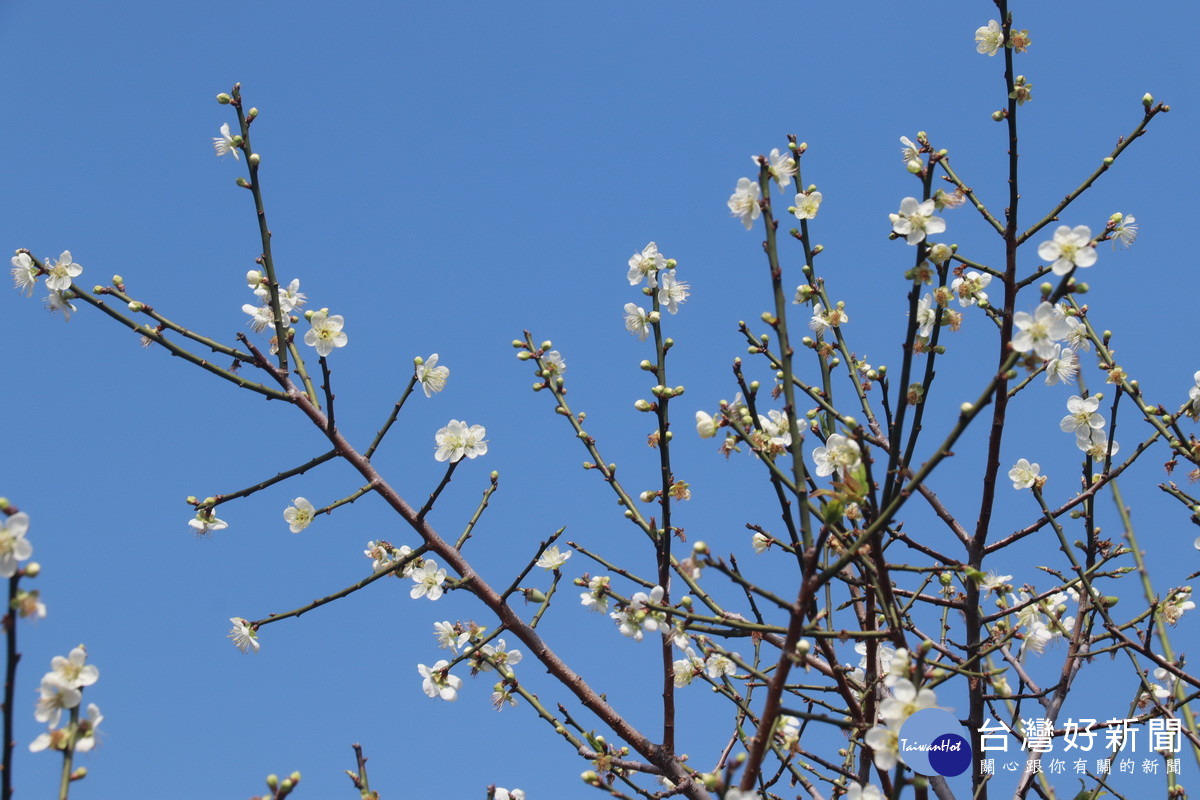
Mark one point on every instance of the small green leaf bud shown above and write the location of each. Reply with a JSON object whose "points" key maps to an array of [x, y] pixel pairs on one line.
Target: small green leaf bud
{"points": [[494, 475]]}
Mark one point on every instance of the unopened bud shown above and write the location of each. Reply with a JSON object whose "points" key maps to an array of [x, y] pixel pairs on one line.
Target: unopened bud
{"points": [[1147, 99], [546, 345], [915, 166], [272, 781], [242, 182], [224, 99], [33, 569], [998, 116], [642, 405], [135, 306], [700, 548], [967, 408], [255, 158]]}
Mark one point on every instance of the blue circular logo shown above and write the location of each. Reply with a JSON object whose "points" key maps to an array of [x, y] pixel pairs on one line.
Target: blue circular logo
{"points": [[931, 743]]}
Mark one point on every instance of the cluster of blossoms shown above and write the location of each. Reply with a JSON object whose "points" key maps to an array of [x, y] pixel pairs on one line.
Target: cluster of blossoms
{"points": [[1042, 621], [716, 666], [659, 274], [383, 555], [59, 275], [457, 440], [990, 38], [1086, 423], [62, 689], [1176, 603], [261, 315], [635, 619]]}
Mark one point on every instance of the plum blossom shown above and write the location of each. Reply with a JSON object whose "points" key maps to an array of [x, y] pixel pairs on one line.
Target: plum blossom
{"points": [[673, 292], [595, 598], [224, 144], [438, 682], [782, 167], [1070, 248], [1177, 602], [687, 669], [206, 522], [926, 316], [807, 205], [646, 265], [54, 697], [637, 321], [1126, 230], [1063, 367], [291, 298], [707, 425], [427, 581], [244, 637], [24, 274], [59, 273], [1039, 331], [299, 515], [72, 671], [1194, 396], [884, 741], [760, 542], [1023, 475], [448, 636], [57, 301], [14, 546], [775, 427], [969, 288], [718, 665], [856, 791], [916, 219], [326, 332], [743, 202], [822, 320], [551, 558], [990, 38], [505, 794], [261, 317], [838, 453], [432, 377], [905, 701], [1083, 420], [457, 440]]}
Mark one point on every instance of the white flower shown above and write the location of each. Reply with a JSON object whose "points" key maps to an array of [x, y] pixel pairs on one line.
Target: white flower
{"points": [[86, 738], [1076, 336], [915, 220], [432, 377], [673, 292], [505, 794], [72, 671], [54, 697], [823, 320], [781, 166], [457, 440], [1070, 248], [1097, 446], [59, 273], [261, 317], [969, 288], [807, 205], [744, 202], [839, 453], [908, 150], [1039, 331], [869, 792], [906, 701], [1083, 419], [244, 637], [775, 427], [926, 316], [554, 364], [760, 542], [448, 637], [718, 665], [1176, 604], [502, 695], [326, 332], [14, 546], [291, 298], [884, 741], [1063, 367], [686, 669], [992, 582], [1023, 475], [636, 321], [55, 301], [224, 144], [205, 522], [299, 515], [1194, 394], [24, 274], [438, 682], [499, 655], [646, 264], [989, 39], [1126, 230], [551, 558], [706, 425], [427, 581], [595, 598]]}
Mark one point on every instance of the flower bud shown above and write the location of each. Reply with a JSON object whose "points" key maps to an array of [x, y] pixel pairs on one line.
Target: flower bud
{"points": [[700, 548], [590, 778], [255, 158], [547, 345], [272, 781], [517, 343], [915, 166], [224, 99], [967, 408], [646, 365], [136, 307], [33, 569], [251, 114], [654, 317], [79, 773], [647, 496], [998, 116], [524, 355], [1147, 99], [242, 182], [642, 405]]}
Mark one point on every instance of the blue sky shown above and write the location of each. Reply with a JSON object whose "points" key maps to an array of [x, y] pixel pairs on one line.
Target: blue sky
{"points": [[445, 176]]}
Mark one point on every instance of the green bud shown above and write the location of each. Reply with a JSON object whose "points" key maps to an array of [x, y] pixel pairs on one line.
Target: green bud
{"points": [[547, 345], [33, 569], [700, 548], [242, 182], [998, 116], [1147, 99], [255, 159], [251, 114], [646, 365], [224, 99], [136, 307], [117, 280], [272, 779], [517, 343]]}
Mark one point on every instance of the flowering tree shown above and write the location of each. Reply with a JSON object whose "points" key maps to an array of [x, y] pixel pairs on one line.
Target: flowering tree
{"points": [[954, 662]]}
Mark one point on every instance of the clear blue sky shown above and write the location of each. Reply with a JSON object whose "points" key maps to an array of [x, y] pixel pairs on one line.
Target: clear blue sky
{"points": [[445, 175]]}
